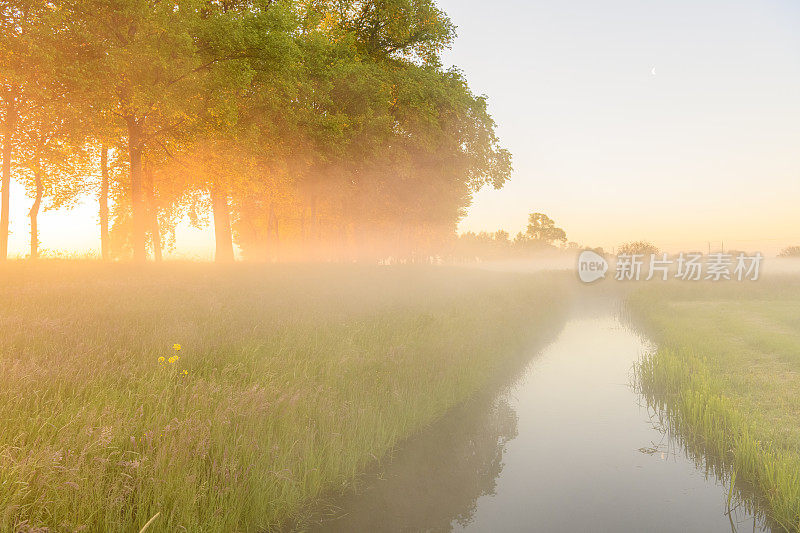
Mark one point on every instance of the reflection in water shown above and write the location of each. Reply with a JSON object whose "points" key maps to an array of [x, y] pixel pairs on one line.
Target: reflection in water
{"points": [[568, 447], [437, 476], [744, 507]]}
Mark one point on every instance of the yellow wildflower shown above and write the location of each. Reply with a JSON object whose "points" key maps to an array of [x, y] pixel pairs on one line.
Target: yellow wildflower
{"points": [[176, 347], [185, 373], [161, 360]]}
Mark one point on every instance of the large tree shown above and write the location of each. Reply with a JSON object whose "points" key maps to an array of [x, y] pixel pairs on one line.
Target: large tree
{"points": [[21, 28], [542, 229], [52, 163], [158, 60], [392, 146], [298, 122]]}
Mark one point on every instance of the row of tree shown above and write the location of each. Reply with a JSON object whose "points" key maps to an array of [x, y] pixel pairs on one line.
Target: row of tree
{"points": [[329, 127], [540, 236]]}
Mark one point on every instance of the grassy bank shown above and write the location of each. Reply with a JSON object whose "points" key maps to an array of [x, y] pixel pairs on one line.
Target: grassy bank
{"points": [[288, 381], [727, 373]]}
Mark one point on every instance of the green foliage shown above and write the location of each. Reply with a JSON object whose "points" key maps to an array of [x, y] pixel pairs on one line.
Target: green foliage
{"points": [[389, 29], [338, 107]]}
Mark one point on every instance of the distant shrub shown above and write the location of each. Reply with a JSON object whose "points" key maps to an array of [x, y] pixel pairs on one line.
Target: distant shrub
{"points": [[638, 247], [791, 251]]}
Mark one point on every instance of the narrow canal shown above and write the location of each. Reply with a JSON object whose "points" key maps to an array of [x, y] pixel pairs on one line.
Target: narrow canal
{"points": [[568, 446]]}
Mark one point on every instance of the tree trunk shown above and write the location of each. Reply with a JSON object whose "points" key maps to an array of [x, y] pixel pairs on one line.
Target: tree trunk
{"points": [[316, 237], [155, 232], [152, 214], [34, 214], [303, 225], [10, 127], [135, 149], [315, 228], [222, 224], [272, 232], [104, 238], [268, 239]]}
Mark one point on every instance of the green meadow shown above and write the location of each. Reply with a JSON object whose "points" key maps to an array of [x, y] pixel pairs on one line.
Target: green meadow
{"points": [[277, 384], [727, 373]]}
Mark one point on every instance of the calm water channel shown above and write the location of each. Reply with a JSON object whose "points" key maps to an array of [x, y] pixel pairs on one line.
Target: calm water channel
{"points": [[568, 446]]}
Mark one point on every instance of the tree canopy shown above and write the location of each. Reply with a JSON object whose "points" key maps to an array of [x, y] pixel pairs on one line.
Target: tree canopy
{"points": [[324, 129], [542, 229]]}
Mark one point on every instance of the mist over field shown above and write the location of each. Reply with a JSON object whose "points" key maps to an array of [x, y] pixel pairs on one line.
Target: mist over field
{"points": [[399, 265]]}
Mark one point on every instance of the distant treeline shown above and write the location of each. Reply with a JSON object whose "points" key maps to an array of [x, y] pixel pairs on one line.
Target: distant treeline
{"points": [[322, 129], [541, 237]]}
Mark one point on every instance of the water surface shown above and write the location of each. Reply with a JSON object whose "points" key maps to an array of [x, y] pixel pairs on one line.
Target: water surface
{"points": [[568, 446]]}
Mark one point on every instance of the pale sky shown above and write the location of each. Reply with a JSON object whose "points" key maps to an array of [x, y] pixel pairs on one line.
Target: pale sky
{"points": [[707, 149]]}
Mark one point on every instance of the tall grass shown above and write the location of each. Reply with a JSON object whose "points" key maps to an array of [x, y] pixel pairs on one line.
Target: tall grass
{"points": [[703, 384], [290, 381]]}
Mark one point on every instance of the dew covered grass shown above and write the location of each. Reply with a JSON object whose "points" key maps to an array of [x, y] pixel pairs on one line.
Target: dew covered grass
{"points": [[727, 372], [287, 381]]}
